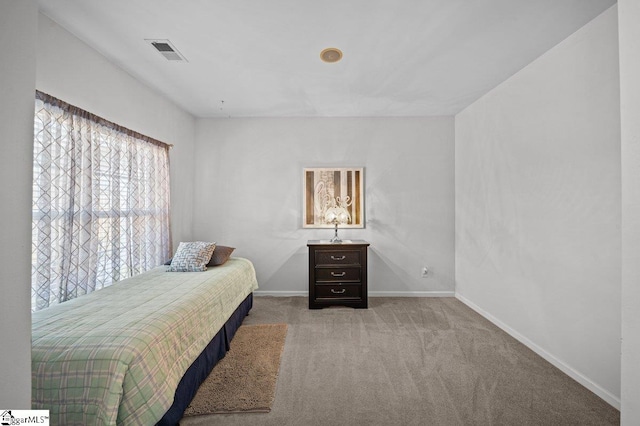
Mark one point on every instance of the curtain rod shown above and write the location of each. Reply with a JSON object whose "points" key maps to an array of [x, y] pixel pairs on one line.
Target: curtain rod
{"points": [[85, 114]]}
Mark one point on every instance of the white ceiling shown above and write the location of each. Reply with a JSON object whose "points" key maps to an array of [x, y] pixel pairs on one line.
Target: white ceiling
{"points": [[401, 57]]}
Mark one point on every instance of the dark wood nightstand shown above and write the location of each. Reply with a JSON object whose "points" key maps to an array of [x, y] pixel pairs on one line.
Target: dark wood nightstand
{"points": [[338, 273]]}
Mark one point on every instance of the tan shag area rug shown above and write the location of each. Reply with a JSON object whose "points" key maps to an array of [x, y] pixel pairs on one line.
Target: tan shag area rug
{"points": [[244, 381]]}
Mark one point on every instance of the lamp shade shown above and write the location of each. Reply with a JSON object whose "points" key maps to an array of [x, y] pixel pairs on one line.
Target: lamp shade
{"points": [[343, 215], [331, 215], [337, 215]]}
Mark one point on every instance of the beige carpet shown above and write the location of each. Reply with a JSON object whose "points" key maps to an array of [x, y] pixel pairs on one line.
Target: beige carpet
{"points": [[245, 379], [410, 361]]}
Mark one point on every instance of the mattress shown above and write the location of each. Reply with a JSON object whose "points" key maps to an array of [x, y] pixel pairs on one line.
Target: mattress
{"points": [[116, 356], [202, 366]]}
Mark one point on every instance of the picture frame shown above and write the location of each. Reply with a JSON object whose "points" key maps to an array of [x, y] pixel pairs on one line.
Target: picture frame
{"points": [[322, 186]]}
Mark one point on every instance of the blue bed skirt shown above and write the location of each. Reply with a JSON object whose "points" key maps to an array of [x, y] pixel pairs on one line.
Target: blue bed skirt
{"points": [[202, 366]]}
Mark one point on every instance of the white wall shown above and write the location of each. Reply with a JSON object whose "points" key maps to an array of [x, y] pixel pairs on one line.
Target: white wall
{"points": [[72, 71], [538, 245], [629, 32], [18, 26], [249, 195]]}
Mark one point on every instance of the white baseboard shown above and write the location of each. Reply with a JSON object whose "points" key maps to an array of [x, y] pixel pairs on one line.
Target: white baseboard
{"points": [[411, 294], [607, 396], [280, 293], [371, 293]]}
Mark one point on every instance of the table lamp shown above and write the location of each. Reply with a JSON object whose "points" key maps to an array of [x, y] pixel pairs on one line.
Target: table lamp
{"points": [[337, 214]]}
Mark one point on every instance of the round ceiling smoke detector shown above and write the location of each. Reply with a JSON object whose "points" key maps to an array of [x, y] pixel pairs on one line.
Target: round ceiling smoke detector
{"points": [[331, 54]]}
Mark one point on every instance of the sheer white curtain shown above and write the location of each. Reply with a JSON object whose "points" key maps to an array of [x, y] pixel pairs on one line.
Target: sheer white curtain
{"points": [[100, 203]]}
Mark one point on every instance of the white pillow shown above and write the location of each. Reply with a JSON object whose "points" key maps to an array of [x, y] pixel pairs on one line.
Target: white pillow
{"points": [[192, 257]]}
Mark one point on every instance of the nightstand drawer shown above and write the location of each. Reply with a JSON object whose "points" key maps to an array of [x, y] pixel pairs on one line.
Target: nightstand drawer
{"points": [[338, 291], [338, 274], [337, 257]]}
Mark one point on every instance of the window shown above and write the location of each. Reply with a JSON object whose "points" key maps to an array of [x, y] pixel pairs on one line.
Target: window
{"points": [[100, 203]]}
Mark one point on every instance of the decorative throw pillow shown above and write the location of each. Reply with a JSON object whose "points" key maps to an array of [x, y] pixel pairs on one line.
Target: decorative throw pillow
{"points": [[192, 257], [220, 255]]}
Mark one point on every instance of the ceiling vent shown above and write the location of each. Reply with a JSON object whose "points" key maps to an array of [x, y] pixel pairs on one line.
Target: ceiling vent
{"points": [[167, 50]]}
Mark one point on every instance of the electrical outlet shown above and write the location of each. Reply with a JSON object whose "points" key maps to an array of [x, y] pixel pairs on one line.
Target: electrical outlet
{"points": [[425, 271]]}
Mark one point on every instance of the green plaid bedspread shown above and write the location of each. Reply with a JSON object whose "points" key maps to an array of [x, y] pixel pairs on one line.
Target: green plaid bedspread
{"points": [[115, 356]]}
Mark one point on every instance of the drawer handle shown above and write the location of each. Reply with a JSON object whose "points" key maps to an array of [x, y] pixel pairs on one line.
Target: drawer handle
{"points": [[341, 274], [334, 291], [343, 257]]}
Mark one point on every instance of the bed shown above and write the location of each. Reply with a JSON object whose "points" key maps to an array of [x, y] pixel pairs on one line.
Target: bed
{"points": [[133, 352]]}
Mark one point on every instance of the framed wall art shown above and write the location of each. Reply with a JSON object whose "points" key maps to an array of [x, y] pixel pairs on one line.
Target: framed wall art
{"points": [[326, 188]]}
